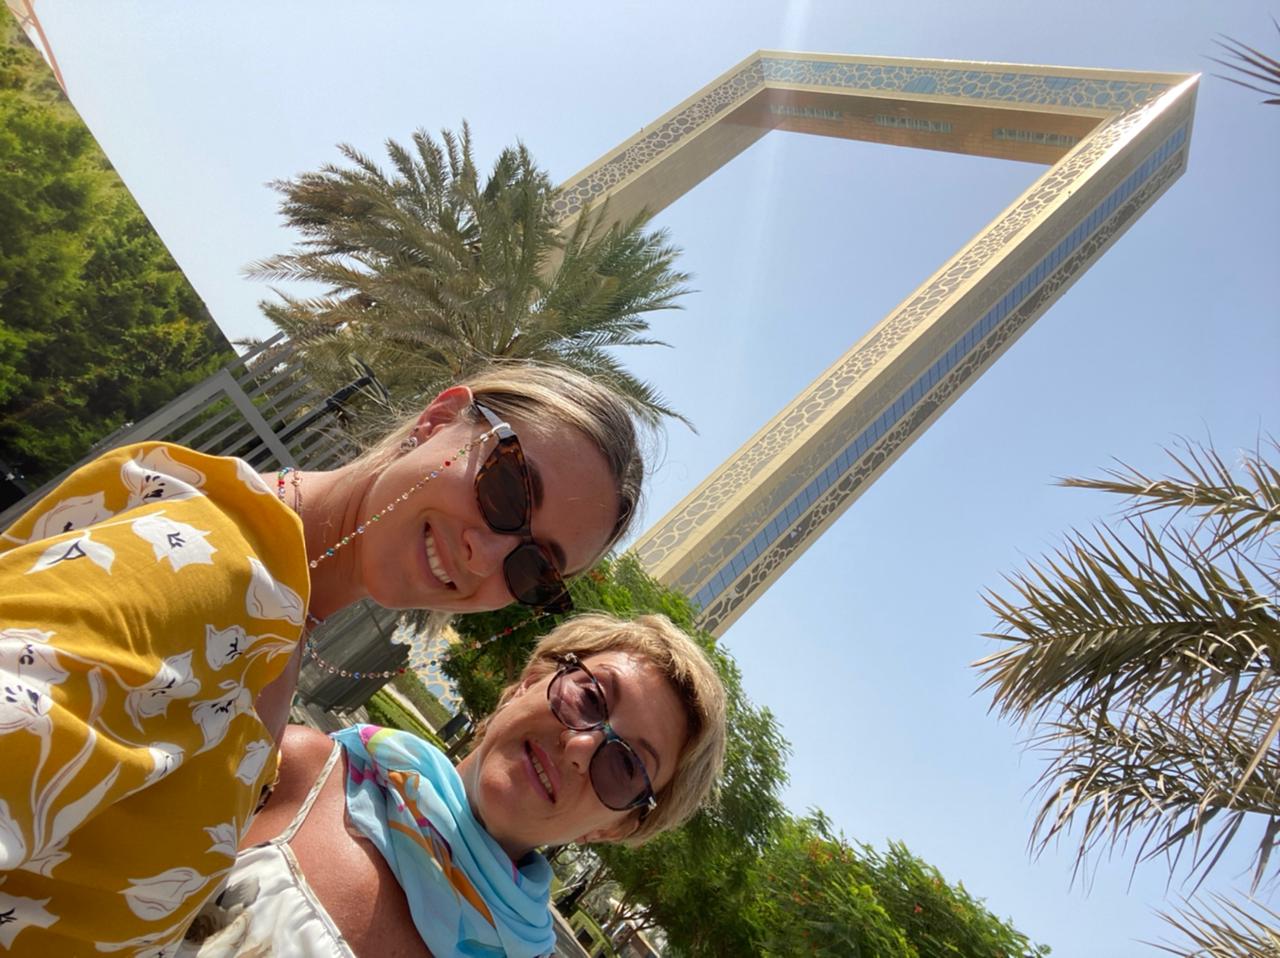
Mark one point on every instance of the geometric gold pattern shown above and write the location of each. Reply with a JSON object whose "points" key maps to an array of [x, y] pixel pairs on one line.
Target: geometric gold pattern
{"points": [[1113, 140]]}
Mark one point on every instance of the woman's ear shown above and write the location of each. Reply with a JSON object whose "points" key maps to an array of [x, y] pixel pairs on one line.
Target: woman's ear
{"points": [[444, 409]]}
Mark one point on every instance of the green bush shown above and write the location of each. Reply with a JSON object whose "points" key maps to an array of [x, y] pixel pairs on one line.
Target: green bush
{"points": [[412, 688], [385, 711]]}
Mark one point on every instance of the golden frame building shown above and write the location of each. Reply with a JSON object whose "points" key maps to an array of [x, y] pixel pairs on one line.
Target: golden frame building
{"points": [[1114, 142]]}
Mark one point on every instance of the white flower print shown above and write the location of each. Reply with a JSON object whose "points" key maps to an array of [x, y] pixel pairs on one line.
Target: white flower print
{"points": [[18, 913], [269, 599], [255, 757], [165, 757], [160, 895], [173, 680], [145, 945], [157, 476], [13, 845], [50, 829], [22, 707], [181, 544], [27, 653], [250, 477], [222, 646], [214, 716], [28, 667], [225, 838], [82, 546], [46, 859], [76, 512]]}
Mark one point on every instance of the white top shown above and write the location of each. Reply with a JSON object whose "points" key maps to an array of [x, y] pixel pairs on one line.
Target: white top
{"points": [[266, 908]]}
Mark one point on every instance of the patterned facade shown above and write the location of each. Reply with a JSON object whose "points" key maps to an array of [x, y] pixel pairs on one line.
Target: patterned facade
{"points": [[1118, 140]]}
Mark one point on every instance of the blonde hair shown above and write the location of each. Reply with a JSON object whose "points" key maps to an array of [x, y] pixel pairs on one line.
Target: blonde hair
{"points": [[657, 640], [545, 398]]}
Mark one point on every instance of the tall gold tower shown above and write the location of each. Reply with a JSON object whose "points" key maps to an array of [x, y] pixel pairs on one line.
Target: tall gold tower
{"points": [[1113, 141]]}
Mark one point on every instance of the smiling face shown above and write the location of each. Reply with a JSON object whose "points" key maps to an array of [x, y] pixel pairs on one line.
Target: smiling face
{"points": [[436, 551], [529, 779]]}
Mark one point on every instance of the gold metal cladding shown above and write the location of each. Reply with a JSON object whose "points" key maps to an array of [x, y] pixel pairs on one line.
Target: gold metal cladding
{"points": [[1115, 140]]}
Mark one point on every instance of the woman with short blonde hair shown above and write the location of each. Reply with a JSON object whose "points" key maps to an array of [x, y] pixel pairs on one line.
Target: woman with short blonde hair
{"points": [[614, 732]]}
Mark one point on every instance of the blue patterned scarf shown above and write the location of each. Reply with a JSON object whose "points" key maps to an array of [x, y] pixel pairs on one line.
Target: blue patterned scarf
{"points": [[466, 896]]}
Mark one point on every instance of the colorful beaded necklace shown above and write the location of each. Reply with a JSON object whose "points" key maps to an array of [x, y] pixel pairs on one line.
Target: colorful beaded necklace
{"points": [[413, 665]]}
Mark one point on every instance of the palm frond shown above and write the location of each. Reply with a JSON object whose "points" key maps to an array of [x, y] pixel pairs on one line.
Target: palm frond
{"points": [[1170, 786], [1246, 61], [1146, 659], [1204, 486], [1105, 622], [1224, 929]]}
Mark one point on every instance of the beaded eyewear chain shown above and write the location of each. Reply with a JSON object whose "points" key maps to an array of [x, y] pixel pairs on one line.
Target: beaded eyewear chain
{"points": [[313, 622], [391, 506]]}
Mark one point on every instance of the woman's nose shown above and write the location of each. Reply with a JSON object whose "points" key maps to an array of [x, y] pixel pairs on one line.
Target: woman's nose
{"points": [[579, 747], [486, 549]]}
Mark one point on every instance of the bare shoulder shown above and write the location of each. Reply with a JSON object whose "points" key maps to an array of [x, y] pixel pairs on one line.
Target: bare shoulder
{"points": [[350, 877], [302, 745], [303, 752]]}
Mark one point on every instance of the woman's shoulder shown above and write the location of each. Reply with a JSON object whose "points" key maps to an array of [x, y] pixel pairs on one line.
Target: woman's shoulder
{"points": [[303, 754], [129, 477], [305, 745], [349, 876]]}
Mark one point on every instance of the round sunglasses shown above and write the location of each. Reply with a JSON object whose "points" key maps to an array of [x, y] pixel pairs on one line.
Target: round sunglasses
{"points": [[504, 491], [617, 774]]}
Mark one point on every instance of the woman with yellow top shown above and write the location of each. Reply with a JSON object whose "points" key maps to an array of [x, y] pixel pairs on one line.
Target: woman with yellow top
{"points": [[151, 615]]}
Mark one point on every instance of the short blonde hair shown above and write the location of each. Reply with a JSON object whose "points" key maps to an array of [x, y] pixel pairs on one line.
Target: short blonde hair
{"points": [[657, 640], [545, 398]]}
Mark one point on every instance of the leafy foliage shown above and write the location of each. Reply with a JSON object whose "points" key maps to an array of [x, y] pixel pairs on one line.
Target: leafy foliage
{"points": [[818, 895], [430, 273], [1145, 657], [411, 687], [97, 324], [384, 710]]}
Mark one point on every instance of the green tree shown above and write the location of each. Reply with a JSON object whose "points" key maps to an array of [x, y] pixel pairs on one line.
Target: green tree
{"points": [[811, 896], [429, 272], [97, 324], [801, 890], [937, 917], [816, 894], [1146, 660]]}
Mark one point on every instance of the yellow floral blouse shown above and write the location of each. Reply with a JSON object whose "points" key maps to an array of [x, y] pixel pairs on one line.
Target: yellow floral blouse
{"points": [[144, 604]]}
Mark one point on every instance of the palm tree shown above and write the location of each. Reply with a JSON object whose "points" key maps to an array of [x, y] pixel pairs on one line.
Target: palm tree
{"points": [[1145, 659], [428, 274]]}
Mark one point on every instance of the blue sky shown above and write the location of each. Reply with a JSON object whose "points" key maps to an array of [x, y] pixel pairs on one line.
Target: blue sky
{"points": [[798, 246]]}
